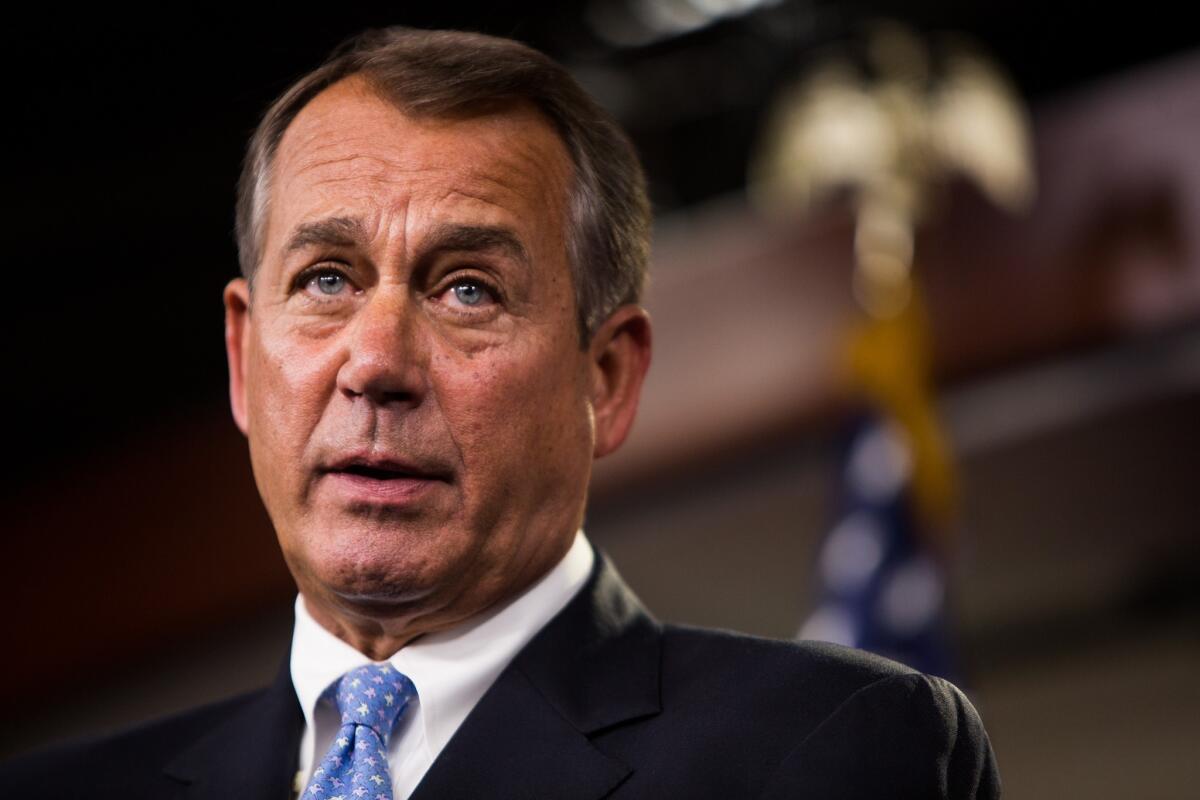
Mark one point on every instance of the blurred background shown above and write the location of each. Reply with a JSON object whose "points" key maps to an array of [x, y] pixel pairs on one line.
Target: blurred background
{"points": [[926, 288]]}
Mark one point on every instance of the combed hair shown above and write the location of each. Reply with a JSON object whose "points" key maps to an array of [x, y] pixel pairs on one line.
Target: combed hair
{"points": [[449, 73]]}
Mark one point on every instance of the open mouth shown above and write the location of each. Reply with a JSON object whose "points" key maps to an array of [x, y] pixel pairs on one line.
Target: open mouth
{"points": [[359, 474], [380, 473]]}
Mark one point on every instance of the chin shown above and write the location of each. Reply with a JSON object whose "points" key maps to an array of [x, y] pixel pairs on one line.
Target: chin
{"points": [[380, 569], [373, 590]]}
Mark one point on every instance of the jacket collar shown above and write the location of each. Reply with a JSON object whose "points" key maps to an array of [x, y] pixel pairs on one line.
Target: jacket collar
{"points": [[593, 666]]}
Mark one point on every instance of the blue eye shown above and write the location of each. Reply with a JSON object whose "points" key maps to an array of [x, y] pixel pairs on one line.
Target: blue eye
{"points": [[329, 282], [470, 293]]}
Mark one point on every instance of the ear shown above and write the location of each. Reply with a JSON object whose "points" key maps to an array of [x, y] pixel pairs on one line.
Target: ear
{"points": [[237, 337], [620, 356]]}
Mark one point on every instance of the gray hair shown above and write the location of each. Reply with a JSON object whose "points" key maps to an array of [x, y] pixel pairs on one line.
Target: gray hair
{"points": [[446, 73]]}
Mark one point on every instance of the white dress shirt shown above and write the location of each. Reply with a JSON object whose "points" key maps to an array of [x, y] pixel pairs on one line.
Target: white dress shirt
{"points": [[451, 671]]}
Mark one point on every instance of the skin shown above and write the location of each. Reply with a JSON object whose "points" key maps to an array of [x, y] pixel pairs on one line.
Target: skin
{"points": [[421, 414]]}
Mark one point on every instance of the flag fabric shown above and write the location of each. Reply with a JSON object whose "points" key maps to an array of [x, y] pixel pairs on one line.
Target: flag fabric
{"points": [[879, 588]]}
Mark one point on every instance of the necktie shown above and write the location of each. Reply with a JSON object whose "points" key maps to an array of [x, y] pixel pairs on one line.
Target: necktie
{"points": [[370, 699]]}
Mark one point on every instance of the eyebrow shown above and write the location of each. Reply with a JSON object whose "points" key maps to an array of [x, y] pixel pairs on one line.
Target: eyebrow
{"points": [[476, 239], [330, 232]]}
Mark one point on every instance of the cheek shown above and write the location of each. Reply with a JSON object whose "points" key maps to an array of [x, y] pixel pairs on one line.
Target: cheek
{"points": [[288, 387], [516, 413]]}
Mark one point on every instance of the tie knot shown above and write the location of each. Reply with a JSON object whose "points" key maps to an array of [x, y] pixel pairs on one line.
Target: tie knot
{"points": [[374, 695]]}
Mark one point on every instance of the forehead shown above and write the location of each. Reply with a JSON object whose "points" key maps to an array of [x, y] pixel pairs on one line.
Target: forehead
{"points": [[352, 151]]}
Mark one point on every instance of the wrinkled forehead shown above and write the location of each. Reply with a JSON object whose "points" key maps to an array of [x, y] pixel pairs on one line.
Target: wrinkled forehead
{"points": [[352, 137]]}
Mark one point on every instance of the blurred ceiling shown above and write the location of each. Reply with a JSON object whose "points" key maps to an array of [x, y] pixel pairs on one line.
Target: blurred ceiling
{"points": [[129, 131]]}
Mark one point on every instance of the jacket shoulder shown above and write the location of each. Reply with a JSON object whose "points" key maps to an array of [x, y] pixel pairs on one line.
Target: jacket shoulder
{"points": [[904, 736], [128, 762], [824, 675], [822, 715]]}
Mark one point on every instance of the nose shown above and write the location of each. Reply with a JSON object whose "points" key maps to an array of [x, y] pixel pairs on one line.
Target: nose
{"points": [[386, 356]]}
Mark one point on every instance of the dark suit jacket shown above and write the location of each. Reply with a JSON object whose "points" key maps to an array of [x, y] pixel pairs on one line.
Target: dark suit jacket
{"points": [[603, 702]]}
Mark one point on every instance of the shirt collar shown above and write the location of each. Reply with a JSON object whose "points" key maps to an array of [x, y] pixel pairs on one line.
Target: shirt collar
{"points": [[453, 668]]}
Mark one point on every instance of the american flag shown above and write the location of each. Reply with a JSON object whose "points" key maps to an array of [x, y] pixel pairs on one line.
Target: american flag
{"points": [[879, 585]]}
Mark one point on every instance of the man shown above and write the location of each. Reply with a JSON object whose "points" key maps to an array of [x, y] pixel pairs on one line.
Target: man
{"points": [[443, 243]]}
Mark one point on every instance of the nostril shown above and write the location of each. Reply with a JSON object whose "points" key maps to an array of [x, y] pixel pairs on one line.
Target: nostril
{"points": [[382, 380]]}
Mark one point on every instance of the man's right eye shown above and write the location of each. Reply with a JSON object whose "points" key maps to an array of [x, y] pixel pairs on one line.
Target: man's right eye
{"points": [[326, 283]]}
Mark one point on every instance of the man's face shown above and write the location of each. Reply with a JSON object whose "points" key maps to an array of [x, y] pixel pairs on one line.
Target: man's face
{"points": [[419, 408]]}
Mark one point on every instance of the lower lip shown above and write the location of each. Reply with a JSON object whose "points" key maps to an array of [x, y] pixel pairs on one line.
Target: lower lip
{"points": [[379, 491]]}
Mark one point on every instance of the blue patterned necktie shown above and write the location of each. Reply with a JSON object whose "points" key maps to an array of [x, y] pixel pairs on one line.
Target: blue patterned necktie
{"points": [[370, 699]]}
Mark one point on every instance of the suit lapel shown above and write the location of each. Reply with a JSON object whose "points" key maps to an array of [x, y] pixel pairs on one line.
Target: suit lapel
{"points": [[513, 745], [594, 666], [250, 755]]}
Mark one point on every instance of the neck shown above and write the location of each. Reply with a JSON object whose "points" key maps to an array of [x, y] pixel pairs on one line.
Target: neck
{"points": [[377, 638], [380, 628]]}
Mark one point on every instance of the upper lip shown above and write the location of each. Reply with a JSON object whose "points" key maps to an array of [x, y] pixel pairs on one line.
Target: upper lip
{"points": [[387, 467]]}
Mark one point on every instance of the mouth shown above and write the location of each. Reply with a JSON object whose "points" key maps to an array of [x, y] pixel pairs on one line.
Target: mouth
{"points": [[383, 481], [385, 469]]}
